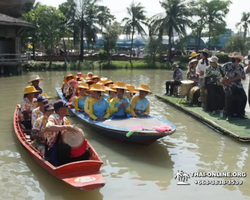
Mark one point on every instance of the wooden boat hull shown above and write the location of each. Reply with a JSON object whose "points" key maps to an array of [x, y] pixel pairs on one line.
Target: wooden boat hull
{"points": [[145, 137], [83, 175]]}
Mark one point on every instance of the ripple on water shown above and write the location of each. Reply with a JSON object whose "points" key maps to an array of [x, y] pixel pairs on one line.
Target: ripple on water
{"points": [[16, 180]]}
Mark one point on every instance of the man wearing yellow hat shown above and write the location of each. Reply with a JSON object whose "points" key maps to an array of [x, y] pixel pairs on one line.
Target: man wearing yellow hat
{"points": [[140, 105], [119, 106]]}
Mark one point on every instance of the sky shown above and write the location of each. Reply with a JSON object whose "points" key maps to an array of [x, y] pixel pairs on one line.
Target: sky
{"points": [[118, 8]]}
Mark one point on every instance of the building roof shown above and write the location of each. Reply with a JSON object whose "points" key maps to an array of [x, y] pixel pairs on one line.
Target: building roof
{"points": [[11, 21]]}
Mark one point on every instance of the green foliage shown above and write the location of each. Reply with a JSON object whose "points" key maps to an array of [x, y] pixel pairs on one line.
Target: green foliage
{"points": [[102, 55], [235, 43], [223, 57], [184, 58], [244, 23]]}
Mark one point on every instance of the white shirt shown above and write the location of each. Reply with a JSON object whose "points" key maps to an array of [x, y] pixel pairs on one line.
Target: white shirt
{"points": [[201, 67]]}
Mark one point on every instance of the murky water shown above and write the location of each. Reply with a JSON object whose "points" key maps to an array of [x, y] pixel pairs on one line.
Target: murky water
{"points": [[131, 171]]}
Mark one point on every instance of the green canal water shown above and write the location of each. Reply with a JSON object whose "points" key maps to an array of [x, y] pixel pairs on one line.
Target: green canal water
{"points": [[131, 171]]}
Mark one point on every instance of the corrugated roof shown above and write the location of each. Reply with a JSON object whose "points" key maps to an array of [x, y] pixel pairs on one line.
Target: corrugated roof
{"points": [[11, 21]]}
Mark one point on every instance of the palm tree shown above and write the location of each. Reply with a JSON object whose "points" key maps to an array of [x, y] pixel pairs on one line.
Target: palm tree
{"points": [[174, 18], [28, 6], [133, 23], [244, 22], [104, 17]]}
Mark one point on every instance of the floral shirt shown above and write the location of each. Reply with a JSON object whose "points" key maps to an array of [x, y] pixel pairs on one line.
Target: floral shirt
{"points": [[178, 73], [40, 125], [26, 105], [55, 119], [36, 113], [191, 74], [231, 70]]}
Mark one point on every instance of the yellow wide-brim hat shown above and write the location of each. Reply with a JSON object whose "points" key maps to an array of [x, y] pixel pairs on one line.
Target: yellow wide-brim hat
{"points": [[47, 96], [120, 85], [69, 75], [95, 77], [236, 55], [35, 78], [108, 82], [193, 54], [130, 88], [97, 88], [110, 89], [83, 86], [143, 87], [30, 89]]}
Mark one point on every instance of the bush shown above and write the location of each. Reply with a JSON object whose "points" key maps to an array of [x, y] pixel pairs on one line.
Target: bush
{"points": [[184, 59], [223, 57]]}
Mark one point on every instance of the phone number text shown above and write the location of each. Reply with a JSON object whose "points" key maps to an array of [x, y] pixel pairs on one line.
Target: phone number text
{"points": [[218, 182]]}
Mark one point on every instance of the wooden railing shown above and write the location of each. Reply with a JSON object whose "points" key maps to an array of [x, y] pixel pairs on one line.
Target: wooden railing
{"points": [[19, 58]]}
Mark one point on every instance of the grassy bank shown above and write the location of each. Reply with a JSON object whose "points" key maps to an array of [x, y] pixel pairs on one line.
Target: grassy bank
{"points": [[44, 66]]}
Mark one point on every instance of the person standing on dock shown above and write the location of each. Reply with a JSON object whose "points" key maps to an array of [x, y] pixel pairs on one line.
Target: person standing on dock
{"points": [[200, 70], [235, 96], [177, 78], [248, 72]]}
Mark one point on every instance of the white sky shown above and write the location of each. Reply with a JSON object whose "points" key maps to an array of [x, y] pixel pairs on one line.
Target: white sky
{"points": [[118, 8]]}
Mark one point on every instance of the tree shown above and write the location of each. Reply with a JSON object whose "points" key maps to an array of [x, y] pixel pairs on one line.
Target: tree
{"points": [[216, 13], [244, 22], [49, 22], [175, 18], [110, 37], [235, 43], [104, 17], [133, 23]]}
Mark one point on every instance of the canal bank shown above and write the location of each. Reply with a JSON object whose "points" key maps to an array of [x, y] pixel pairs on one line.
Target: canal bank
{"points": [[237, 128]]}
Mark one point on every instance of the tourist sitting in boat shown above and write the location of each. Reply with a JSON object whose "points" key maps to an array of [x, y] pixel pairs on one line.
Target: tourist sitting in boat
{"points": [[95, 79], [214, 89], [90, 74], [108, 83], [38, 129], [200, 70], [99, 107], [73, 84], [34, 81], [56, 152], [235, 96], [140, 105], [177, 78], [28, 105], [120, 106], [79, 76], [130, 92], [111, 92], [191, 73], [65, 86], [80, 100], [38, 112]]}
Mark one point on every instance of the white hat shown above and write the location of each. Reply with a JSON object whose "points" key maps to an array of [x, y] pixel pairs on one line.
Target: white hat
{"points": [[35, 78], [213, 59]]}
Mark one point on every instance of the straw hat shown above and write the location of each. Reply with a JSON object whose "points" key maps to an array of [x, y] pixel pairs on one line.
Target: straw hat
{"points": [[47, 96], [79, 75], [97, 88], [94, 77], [130, 88], [193, 54], [109, 89], [213, 59], [83, 85], [69, 75], [108, 82], [35, 78], [193, 60], [30, 89], [143, 87], [120, 85], [236, 55], [205, 51]]}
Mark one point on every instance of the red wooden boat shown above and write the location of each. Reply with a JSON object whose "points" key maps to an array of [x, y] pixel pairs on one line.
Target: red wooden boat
{"points": [[84, 175]]}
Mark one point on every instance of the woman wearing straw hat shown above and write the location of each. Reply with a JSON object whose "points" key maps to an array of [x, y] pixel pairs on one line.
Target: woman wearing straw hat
{"points": [[34, 80], [140, 105], [233, 74], [119, 106], [193, 55], [65, 86], [112, 92], [99, 107], [28, 104], [191, 73], [130, 92], [200, 69], [215, 93], [80, 100]]}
